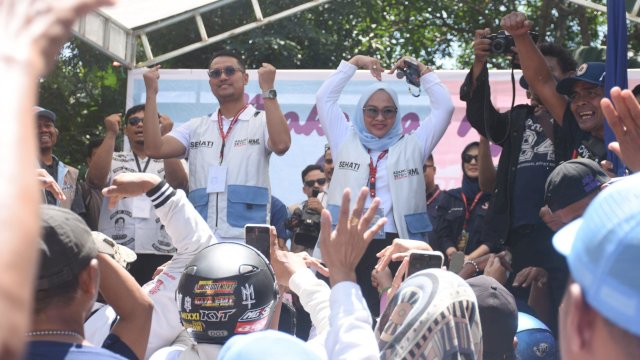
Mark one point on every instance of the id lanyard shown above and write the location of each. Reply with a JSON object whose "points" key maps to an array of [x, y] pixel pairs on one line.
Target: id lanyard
{"points": [[373, 171], [432, 198], [138, 163], [224, 136], [468, 209]]}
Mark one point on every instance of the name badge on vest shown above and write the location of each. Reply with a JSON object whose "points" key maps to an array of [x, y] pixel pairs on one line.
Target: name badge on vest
{"points": [[216, 179], [141, 207], [379, 214]]}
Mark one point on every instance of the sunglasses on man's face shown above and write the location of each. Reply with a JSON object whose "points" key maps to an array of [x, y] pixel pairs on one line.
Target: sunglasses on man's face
{"points": [[133, 121], [468, 157], [310, 183], [227, 70]]}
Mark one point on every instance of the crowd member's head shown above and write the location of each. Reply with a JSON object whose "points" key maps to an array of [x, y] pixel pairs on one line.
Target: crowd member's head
{"points": [[226, 289], [227, 76], [376, 119], [600, 312], [133, 129], [561, 65], [313, 179], [434, 312], [535, 340], [585, 90], [268, 344], [470, 170], [328, 162], [47, 132], [67, 284], [429, 169], [90, 149], [498, 316], [571, 187]]}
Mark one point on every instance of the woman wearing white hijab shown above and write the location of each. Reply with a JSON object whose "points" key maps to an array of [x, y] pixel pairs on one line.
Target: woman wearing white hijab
{"points": [[372, 151]]}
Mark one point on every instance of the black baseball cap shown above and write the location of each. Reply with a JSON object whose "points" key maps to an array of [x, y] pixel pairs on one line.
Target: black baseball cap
{"points": [[572, 181], [498, 317], [66, 246]]}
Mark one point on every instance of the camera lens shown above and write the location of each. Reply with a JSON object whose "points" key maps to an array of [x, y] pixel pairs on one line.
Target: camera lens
{"points": [[497, 46], [400, 74]]}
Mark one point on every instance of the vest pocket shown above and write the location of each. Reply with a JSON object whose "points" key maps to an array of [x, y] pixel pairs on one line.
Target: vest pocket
{"points": [[200, 200], [418, 225], [334, 210], [246, 205]]}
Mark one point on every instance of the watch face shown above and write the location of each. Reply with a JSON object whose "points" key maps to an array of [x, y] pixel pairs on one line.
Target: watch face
{"points": [[270, 94]]}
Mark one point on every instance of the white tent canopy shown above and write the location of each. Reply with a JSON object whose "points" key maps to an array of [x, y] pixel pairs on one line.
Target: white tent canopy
{"points": [[116, 30]]}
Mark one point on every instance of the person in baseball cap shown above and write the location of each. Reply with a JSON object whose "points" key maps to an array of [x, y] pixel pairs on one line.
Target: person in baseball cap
{"points": [[535, 340], [498, 317], [590, 72], [600, 313], [570, 188]]}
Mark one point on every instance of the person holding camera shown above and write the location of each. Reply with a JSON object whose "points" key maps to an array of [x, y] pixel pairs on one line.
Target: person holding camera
{"points": [[304, 222], [528, 157], [372, 151]]}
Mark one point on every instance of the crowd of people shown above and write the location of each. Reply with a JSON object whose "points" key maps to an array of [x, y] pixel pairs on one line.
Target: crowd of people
{"points": [[146, 258]]}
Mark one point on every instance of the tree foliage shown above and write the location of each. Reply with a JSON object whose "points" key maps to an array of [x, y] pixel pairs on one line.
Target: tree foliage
{"points": [[85, 86]]}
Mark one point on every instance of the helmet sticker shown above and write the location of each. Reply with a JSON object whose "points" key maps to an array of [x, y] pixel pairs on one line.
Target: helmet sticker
{"points": [[248, 296], [210, 287]]}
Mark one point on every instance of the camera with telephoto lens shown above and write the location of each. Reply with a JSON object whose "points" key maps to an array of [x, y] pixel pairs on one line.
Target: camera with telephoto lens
{"points": [[411, 73], [305, 225], [501, 42]]}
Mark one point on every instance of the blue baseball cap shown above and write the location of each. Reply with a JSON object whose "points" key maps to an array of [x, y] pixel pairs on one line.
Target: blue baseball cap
{"points": [[591, 72], [42, 112], [535, 340], [602, 249]]}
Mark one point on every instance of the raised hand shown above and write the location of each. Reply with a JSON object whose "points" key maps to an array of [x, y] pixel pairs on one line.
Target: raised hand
{"points": [[151, 77], [370, 63], [516, 23], [112, 123], [266, 76], [343, 248], [624, 120]]}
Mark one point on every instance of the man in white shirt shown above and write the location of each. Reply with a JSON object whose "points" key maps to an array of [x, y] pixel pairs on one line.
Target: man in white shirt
{"points": [[228, 150]]}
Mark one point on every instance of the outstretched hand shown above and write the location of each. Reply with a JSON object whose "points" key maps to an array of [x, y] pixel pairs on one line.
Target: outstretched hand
{"points": [[286, 263], [398, 250], [33, 31], [624, 120], [128, 185], [47, 182], [343, 248]]}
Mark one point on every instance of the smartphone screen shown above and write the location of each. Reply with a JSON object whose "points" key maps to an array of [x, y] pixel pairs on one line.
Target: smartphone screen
{"points": [[456, 262], [421, 260], [258, 236]]}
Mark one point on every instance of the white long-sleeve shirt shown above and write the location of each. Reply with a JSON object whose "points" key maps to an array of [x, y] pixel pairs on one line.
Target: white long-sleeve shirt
{"points": [[337, 128]]}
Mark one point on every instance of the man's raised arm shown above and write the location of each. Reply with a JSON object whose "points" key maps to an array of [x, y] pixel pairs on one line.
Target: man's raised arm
{"points": [[156, 145], [534, 67]]}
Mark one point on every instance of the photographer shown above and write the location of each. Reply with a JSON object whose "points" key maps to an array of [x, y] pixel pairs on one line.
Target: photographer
{"points": [[304, 222], [525, 134]]}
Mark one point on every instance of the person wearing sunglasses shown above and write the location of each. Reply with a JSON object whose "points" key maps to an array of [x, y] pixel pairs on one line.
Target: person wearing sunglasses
{"points": [[133, 222], [461, 211], [229, 149], [371, 150]]}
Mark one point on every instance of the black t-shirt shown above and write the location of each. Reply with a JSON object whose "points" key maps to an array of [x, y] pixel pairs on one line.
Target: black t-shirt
{"points": [[535, 163], [574, 143]]}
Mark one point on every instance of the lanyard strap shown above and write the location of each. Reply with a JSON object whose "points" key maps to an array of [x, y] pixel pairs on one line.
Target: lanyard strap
{"points": [[220, 128], [432, 198], [467, 209], [373, 171], [146, 165]]}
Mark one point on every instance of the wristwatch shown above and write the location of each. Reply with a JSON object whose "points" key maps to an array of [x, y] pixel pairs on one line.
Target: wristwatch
{"points": [[270, 94]]}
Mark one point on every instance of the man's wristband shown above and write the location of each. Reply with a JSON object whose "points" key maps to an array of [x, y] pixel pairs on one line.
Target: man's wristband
{"points": [[474, 265]]}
